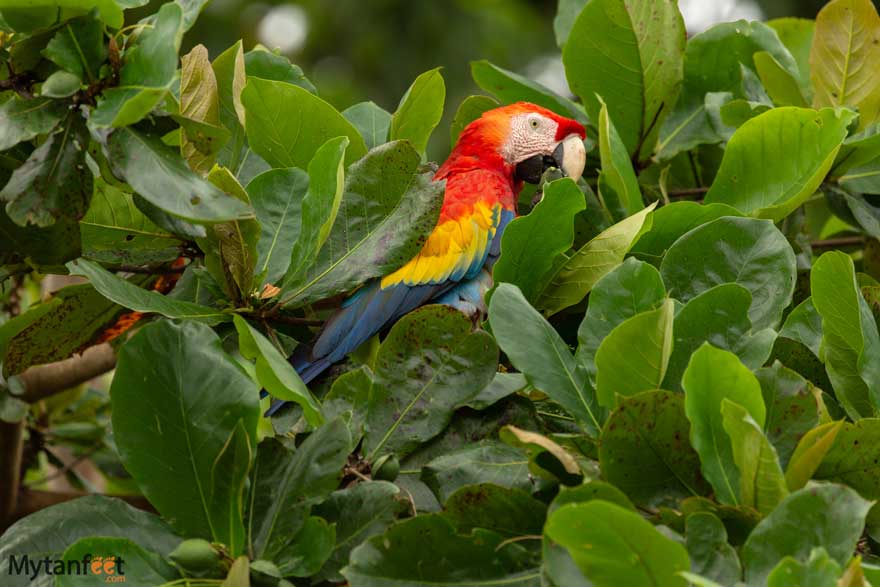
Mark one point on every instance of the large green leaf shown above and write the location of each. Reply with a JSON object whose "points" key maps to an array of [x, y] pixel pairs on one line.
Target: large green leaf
{"points": [[287, 124], [488, 461], [54, 182], [387, 209], [319, 206], [201, 137], [511, 87], [818, 571], [571, 279], [851, 457], [716, 61], [371, 120], [720, 316], [633, 287], [359, 513], [50, 531], [809, 453], [644, 450], [782, 86], [419, 110], [531, 243], [711, 555], [131, 296], [276, 196], [114, 231], [797, 36], [160, 176], [752, 253], [426, 551], [791, 149], [176, 393], [712, 376], [265, 64], [792, 408], [130, 561], [617, 182], [634, 356], [614, 546], [536, 349], [804, 325], [53, 245], [629, 52], [285, 486], [274, 372], [762, 484], [470, 110], [845, 44], [22, 120], [834, 514], [850, 338], [671, 222], [431, 362], [78, 47], [147, 73], [509, 512], [229, 71]]}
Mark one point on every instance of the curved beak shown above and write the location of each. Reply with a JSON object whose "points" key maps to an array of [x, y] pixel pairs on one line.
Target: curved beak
{"points": [[569, 156]]}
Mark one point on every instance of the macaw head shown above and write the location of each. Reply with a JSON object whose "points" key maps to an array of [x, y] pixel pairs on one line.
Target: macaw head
{"points": [[523, 140]]}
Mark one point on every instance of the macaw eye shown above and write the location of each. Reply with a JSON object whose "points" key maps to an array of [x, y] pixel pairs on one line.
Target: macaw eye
{"points": [[535, 123]]}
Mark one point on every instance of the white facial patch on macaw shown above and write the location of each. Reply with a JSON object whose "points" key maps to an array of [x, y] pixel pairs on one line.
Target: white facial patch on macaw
{"points": [[530, 134]]}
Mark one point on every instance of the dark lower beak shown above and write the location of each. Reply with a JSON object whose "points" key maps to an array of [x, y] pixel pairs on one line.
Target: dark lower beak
{"points": [[569, 156]]}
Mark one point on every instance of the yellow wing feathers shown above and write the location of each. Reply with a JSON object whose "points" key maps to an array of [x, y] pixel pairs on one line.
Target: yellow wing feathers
{"points": [[455, 248]]}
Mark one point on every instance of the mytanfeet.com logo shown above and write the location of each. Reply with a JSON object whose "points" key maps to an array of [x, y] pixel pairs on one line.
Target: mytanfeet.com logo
{"points": [[112, 568]]}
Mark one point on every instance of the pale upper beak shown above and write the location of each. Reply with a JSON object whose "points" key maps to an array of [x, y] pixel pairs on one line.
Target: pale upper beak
{"points": [[571, 156]]}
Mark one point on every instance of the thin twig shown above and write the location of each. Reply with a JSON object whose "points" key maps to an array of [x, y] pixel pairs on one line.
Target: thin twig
{"points": [[833, 243], [687, 192]]}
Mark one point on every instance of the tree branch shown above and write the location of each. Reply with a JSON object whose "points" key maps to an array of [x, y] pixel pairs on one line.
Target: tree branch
{"points": [[11, 444], [42, 381]]}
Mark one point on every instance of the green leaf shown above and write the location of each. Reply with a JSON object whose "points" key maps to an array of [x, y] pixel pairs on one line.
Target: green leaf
{"points": [[419, 110], [851, 341], [114, 231], [618, 176], [530, 244], [845, 43], [274, 372], [509, 512], [711, 555], [110, 11], [818, 571], [789, 148], [61, 84], [199, 102], [502, 385], [54, 245], [762, 484], [488, 461], [850, 459], [311, 547], [570, 281], [471, 109], [633, 357], [141, 300], [287, 124], [371, 121], [205, 397], [858, 150], [804, 325], [630, 54], [566, 13], [229, 71], [380, 225], [793, 408], [797, 36], [835, 515], [809, 454], [359, 512], [426, 551], [54, 182], [547, 459], [320, 206], [22, 120], [285, 486], [130, 561], [632, 288], [161, 177], [78, 47], [148, 71], [671, 222], [712, 376], [276, 196], [267, 65], [644, 450], [511, 87], [535, 348], [719, 316], [752, 253], [781, 85], [614, 546], [431, 362]]}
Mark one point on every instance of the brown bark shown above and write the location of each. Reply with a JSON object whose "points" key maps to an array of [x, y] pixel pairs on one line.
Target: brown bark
{"points": [[42, 381]]}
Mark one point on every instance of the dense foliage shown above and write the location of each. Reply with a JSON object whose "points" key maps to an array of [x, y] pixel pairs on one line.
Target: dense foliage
{"points": [[678, 381]]}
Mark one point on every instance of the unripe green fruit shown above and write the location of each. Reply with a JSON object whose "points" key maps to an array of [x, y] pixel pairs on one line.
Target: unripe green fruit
{"points": [[196, 555], [386, 468]]}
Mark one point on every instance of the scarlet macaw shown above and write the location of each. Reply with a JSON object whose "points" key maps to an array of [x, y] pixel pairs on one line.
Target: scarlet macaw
{"points": [[484, 175]]}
